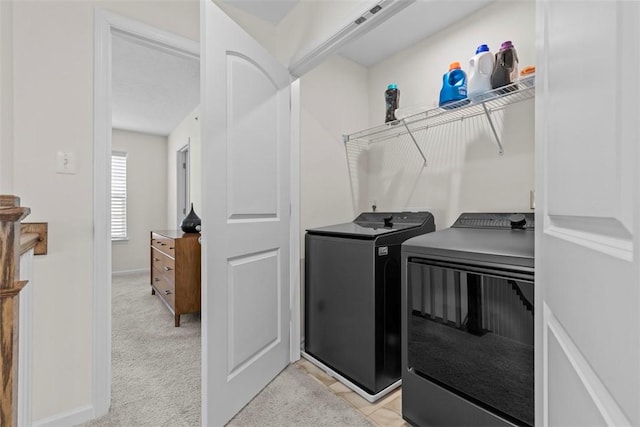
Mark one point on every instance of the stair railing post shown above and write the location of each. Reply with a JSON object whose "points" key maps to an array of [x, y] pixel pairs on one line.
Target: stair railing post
{"points": [[10, 216]]}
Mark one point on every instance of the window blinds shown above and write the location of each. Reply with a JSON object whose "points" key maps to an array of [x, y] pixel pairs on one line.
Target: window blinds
{"points": [[118, 195]]}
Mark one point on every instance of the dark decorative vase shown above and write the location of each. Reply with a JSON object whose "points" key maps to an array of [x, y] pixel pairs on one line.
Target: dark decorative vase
{"points": [[191, 223]]}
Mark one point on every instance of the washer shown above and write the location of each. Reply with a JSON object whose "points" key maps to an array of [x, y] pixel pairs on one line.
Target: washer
{"points": [[352, 298]]}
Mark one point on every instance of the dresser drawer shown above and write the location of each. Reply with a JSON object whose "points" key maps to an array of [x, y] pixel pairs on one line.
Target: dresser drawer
{"points": [[161, 261], [168, 277], [164, 288], [164, 244]]}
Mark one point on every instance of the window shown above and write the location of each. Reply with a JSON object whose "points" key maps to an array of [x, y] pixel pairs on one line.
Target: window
{"points": [[118, 195]]}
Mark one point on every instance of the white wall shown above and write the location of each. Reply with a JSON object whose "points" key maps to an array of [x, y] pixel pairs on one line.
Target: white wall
{"points": [[53, 110], [6, 97], [146, 197], [187, 132], [464, 172], [334, 99]]}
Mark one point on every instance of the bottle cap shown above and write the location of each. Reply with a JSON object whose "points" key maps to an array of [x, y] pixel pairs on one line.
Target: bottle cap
{"points": [[506, 45], [454, 65], [482, 48], [528, 70], [392, 86]]}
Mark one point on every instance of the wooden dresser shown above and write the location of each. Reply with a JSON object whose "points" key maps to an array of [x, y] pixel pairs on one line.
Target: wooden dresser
{"points": [[175, 270]]}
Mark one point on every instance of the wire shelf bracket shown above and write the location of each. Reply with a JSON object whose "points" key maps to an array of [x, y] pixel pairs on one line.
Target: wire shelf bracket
{"points": [[493, 129], [413, 138]]}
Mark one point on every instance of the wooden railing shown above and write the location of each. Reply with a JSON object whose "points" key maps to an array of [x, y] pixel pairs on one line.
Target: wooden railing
{"points": [[15, 240]]}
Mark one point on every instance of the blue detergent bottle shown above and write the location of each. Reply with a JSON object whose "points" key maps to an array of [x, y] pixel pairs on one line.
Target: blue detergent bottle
{"points": [[454, 88]]}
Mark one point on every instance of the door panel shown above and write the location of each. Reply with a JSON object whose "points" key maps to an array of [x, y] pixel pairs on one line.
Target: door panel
{"points": [[580, 410], [590, 402], [252, 99], [580, 135], [590, 144], [587, 268], [245, 218], [253, 277]]}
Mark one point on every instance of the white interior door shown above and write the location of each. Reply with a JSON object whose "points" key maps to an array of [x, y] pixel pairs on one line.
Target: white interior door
{"points": [[246, 216], [588, 214]]}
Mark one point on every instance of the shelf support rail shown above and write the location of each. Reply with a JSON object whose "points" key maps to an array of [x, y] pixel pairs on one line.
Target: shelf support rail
{"points": [[493, 129], [414, 141]]}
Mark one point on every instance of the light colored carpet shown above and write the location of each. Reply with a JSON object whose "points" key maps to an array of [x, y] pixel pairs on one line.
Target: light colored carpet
{"points": [[155, 366], [156, 373]]}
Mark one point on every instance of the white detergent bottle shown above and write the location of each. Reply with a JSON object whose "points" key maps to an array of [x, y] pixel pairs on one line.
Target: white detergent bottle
{"points": [[480, 69]]}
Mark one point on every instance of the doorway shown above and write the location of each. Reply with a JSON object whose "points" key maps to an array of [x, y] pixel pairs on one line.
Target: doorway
{"points": [[183, 184], [110, 27]]}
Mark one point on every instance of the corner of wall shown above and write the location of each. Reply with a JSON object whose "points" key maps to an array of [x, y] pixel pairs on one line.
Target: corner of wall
{"points": [[264, 32]]}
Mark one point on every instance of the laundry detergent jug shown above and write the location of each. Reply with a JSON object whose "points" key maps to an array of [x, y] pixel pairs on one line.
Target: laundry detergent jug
{"points": [[480, 69], [392, 99], [454, 88], [505, 69]]}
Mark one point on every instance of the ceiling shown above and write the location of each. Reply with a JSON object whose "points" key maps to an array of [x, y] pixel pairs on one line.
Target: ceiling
{"points": [[419, 20], [154, 89], [412, 24], [270, 10]]}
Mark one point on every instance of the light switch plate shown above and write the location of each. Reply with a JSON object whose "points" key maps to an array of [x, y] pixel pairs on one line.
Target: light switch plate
{"points": [[66, 162]]}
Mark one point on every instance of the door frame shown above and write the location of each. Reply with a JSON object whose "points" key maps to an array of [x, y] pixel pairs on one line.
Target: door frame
{"points": [[295, 280], [105, 24], [183, 181]]}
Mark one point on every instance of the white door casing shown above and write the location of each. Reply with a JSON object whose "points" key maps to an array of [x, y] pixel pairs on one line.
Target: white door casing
{"points": [[183, 182], [588, 214], [105, 24], [245, 216]]}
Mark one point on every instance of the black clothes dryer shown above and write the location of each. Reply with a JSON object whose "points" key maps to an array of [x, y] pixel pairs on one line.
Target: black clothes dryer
{"points": [[352, 298], [468, 323]]}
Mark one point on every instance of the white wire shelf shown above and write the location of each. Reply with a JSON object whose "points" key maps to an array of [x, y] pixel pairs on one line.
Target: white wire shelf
{"points": [[494, 100]]}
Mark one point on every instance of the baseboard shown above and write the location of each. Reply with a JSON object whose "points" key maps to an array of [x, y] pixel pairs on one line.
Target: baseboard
{"points": [[71, 418], [123, 272]]}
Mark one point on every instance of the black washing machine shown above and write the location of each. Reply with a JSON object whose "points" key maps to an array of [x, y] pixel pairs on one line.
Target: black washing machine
{"points": [[352, 298]]}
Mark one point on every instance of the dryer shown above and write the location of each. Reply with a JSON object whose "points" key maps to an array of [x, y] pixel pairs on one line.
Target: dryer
{"points": [[468, 323]]}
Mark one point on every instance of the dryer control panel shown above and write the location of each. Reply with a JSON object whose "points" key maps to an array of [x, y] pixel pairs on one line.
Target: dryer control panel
{"points": [[502, 221]]}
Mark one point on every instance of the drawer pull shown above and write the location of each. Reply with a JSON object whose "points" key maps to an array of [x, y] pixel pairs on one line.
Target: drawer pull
{"points": [[155, 279], [156, 259], [163, 244], [167, 292], [171, 248], [167, 268]]}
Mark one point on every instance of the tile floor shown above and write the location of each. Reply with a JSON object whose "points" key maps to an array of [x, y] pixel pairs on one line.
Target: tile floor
{"points": [[386, 412]]}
